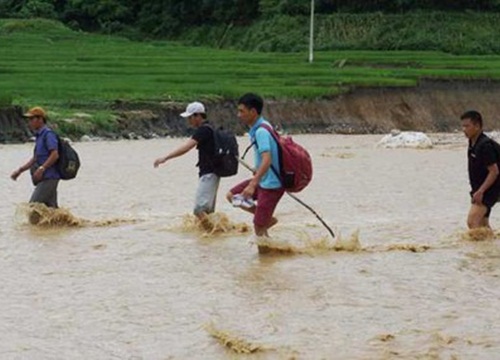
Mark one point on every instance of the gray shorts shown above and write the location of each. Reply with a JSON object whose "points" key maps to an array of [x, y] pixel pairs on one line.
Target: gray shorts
{"points": [[46, 193], [206, 195]]}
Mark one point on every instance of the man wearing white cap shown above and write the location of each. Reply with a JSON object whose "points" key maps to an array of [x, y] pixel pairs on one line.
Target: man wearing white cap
{"points": [[203, 140]]}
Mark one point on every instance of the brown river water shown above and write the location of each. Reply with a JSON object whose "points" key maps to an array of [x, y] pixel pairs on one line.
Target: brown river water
{"points": [[125, 273]]}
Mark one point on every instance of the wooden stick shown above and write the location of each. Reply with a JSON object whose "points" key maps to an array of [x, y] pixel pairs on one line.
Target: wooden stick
{"points": [[242, 162]]}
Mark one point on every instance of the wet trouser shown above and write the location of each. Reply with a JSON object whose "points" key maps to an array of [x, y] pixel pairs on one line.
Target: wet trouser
{"points": [[206, 195], [46, 193]]}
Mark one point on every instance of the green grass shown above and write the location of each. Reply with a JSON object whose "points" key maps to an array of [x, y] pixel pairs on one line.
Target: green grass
{"points": [[41, 62]]}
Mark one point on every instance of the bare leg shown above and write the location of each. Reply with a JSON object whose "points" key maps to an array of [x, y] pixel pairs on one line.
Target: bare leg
{"points": [[205, 221], [262, 231], [486, 223], [477, 218], [273, 222]]}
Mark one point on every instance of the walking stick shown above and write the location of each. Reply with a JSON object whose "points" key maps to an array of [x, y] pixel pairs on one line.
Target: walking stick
{"points": [[242, 162]]}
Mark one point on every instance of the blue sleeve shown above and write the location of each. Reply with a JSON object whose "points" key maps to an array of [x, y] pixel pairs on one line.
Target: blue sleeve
{"points": [[263, 139], [51, 141]]}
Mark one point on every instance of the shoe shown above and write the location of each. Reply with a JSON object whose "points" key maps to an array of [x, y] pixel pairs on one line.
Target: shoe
{"points": [[240, 201]]}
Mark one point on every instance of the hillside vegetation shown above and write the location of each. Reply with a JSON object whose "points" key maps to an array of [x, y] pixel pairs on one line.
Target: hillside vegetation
{"points": [[44, 62]]}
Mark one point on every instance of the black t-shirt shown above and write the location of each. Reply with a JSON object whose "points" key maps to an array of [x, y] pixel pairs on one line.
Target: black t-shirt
{"points": [[481, 155], [206, 148]]}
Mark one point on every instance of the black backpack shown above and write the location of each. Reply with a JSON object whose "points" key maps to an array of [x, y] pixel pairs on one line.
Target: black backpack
{"points": [[69, 162], [226, 155], [496, 146]]}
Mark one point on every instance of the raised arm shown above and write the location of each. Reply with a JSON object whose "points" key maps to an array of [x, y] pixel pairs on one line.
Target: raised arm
{"points": [[181, 150]]}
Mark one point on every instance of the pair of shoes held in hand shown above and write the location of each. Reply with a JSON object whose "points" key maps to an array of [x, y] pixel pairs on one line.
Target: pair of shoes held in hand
{"points": [[240, 201]]}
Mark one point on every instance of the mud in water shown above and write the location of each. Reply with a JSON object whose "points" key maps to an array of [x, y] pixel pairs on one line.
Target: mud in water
{"points": [[480, 234], [233, 342], [36, 214], [398, 280], [217, 224], [416, 248], [338, 155], [302, 243], [296, 241]]}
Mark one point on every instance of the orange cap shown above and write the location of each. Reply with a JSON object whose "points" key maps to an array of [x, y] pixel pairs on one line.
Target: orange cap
{"points": [[36, 111]]}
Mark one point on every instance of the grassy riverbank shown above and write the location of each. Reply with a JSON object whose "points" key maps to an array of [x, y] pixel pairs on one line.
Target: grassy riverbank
{"points": [[42, 62]]}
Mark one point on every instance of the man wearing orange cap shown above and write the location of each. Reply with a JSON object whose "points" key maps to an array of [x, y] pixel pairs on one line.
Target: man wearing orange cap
{"points": [[44, 173]]}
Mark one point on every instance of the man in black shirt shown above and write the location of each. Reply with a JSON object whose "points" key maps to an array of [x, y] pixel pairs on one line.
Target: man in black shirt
{"points": [[483, 159], [203, 139]]}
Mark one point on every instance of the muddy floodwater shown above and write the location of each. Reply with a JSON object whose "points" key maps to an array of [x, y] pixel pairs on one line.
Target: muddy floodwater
{"points": [[126, 274]]}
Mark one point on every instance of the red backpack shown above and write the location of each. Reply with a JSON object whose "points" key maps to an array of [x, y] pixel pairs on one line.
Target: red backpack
{"points": [[295, 162]]}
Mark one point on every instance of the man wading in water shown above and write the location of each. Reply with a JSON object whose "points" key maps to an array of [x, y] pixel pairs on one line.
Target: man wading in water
{"points": [[44, 173], [265, 186], [483, 159], [203, 139]]}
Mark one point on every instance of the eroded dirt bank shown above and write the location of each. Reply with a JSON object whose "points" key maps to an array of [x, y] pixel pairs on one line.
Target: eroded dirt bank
{"points": [[432, 106]]}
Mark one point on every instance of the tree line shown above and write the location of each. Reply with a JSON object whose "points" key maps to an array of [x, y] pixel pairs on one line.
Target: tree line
{"points": [[166, 18]]}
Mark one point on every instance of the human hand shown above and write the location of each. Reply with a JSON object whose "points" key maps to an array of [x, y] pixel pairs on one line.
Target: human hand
{"points": [[15, 174], [38, 174], [159, 161], [477, 197], [248, 192]]}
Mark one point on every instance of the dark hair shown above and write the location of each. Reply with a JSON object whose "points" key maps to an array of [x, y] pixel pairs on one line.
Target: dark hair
{"points": [[474, 116], [252, 101]]}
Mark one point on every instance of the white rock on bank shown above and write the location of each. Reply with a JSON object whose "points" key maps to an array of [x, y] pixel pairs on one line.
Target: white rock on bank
{"points": [[405, 139], [82, 115], [495, 135]]}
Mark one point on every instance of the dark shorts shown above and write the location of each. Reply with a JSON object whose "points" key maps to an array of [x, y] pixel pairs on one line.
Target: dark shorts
{"points": [[490, 198], [267, 199]]}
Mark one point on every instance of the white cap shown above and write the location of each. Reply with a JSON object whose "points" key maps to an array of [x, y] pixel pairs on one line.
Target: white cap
{"points": [[194, 108]]}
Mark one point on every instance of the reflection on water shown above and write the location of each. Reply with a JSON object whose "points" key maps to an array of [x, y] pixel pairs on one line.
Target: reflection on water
{"points": [[123, 271]]}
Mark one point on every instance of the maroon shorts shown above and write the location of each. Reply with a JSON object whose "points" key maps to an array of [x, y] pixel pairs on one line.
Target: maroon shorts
{"points": [[267, 199]]}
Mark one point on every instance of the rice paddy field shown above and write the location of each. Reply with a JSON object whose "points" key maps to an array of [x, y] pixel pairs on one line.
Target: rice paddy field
{"points": [[42, 61]]}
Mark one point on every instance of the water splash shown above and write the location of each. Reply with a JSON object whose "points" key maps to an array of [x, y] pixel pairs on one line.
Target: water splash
{"points": [[215, 224], [232, 342], [479, 234], [37, 214], [416, 248], [302, 243]]}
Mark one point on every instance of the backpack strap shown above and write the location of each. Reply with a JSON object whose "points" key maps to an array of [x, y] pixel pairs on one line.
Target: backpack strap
{"points": [[57, 137], [210, 126], [44, 141], [215, 139], [275, 136]]}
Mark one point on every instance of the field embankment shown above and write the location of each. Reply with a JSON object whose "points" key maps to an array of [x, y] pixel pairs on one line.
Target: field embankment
{"points": [[432, 106]]}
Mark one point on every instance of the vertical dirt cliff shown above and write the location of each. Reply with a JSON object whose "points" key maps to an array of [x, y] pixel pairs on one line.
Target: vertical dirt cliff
{"points": [[432, 106]]}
